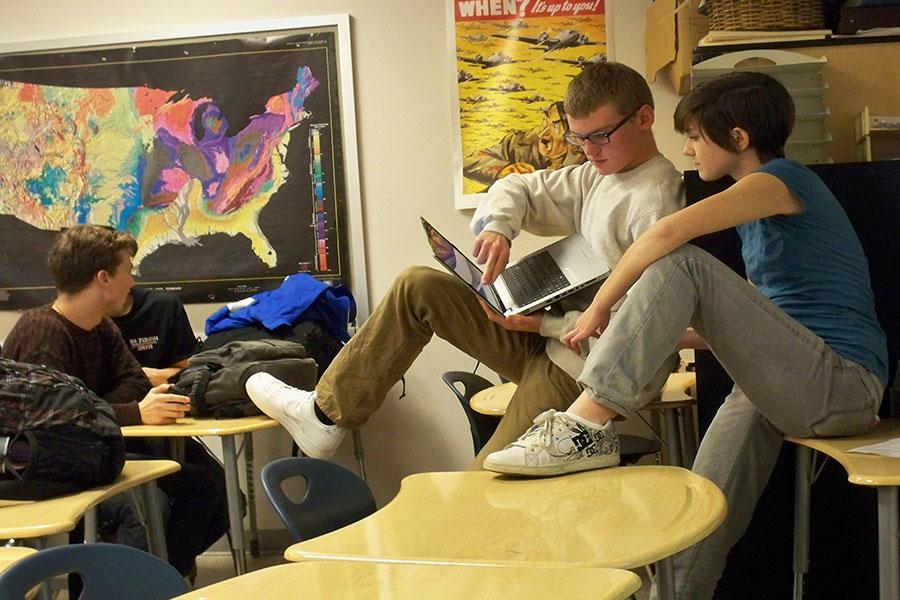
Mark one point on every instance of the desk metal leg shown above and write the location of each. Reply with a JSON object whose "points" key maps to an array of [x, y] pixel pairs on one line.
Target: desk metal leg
{"points": [[251, 495], [888, 549], [803, 483], [156, 532], [665, 579], [690, 436], [233, 494], [673, 437], [90, 525]]}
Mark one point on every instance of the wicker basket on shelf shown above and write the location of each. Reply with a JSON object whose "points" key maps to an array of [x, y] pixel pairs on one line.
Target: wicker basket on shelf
{"points": [[764, 15]]}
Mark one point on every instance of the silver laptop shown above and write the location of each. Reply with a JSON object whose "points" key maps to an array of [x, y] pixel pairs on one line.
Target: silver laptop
{"points": [[535, 281]]}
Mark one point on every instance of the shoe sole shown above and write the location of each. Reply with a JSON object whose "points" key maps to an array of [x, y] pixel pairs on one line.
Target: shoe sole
{"points": [[550, 470], [304, 443]]}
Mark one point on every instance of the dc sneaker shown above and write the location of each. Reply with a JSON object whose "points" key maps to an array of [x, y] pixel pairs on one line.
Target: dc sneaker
{"points": [[558, 443]]}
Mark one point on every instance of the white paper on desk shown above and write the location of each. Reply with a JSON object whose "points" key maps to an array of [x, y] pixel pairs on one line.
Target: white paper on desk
{"points": [[887, 448]]}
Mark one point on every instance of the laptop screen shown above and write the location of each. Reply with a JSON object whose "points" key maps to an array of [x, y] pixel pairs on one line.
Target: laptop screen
{"points": [[457, 262]]}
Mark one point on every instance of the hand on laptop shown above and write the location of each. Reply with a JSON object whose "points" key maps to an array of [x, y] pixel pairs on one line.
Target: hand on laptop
{"points": [[492, 251], [529, 323]]}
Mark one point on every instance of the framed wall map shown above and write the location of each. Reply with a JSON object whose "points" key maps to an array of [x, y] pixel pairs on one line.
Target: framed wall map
{"points": [[230, 156]]}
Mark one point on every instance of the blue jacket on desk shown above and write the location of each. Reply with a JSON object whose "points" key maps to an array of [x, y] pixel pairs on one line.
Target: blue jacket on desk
{"points": [[299, 298]]}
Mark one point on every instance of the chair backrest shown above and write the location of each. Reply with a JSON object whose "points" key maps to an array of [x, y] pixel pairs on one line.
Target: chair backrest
{"points": [[335, 496], [482, 426], [106, 570]]}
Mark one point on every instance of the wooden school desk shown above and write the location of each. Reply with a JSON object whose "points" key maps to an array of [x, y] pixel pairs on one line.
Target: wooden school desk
{"points": [[226, 429], [322, 580], [880, 472], [38, 519], [623, 517]]}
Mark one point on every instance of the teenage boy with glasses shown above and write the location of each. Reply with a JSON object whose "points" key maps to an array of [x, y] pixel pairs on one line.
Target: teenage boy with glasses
{"points": [[624, 188]]}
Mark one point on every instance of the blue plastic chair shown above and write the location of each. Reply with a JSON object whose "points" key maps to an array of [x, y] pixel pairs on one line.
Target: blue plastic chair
{"points": [[335, 496], [106, 570]]}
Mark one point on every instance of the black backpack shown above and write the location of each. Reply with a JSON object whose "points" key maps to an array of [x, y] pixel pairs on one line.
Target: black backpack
{"points": [[56, 435], [215, 378], [319, 343]]}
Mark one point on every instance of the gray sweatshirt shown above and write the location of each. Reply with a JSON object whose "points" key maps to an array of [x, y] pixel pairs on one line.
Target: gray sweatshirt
{"points": [[610, 211]]}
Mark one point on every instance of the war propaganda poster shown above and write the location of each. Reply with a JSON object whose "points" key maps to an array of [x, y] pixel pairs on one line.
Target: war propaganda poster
{"points": [[514, 60], [221, 155]]}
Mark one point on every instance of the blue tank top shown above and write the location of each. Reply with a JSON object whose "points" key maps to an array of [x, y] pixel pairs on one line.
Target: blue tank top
{"points": [[813, 267]]}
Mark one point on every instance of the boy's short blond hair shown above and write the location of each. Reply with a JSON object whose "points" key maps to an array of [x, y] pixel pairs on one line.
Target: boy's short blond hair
{"points": [[607, 83]]}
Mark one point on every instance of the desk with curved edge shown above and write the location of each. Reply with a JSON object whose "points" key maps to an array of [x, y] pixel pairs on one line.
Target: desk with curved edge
{"points": [[494, 400], [414, 581], [226, 429], [881, 472], [42, 518], [623, 518]]}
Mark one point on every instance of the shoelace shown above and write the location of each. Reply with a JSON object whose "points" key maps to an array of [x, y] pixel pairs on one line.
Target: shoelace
{"points": [[543, 428]]}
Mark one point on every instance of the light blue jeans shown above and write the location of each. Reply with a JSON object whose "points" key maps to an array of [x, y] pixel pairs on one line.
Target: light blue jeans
{"points": [[787, 381]]}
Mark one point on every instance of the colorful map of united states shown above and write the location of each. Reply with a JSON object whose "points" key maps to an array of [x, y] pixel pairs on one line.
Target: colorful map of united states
{"points": [[156, 163]]}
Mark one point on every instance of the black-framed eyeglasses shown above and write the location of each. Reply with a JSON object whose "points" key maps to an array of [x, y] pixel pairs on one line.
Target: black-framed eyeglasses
{"points": [[598, 138]]}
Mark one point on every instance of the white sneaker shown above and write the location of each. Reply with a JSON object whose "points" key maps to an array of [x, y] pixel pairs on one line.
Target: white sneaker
{"points": [[558, 443], [294, 409]]}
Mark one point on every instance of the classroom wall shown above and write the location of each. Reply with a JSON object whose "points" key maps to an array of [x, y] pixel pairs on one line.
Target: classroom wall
{"points": [[403, 75]]}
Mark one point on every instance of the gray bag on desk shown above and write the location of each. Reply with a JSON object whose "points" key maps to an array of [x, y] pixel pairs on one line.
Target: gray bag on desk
{"points": [[215, 379]]}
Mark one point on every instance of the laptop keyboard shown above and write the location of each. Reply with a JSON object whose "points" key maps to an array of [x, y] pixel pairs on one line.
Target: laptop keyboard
{"points": [[536, 278]]}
